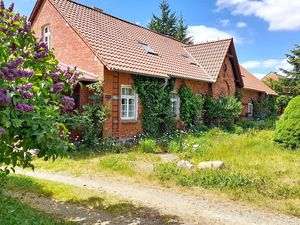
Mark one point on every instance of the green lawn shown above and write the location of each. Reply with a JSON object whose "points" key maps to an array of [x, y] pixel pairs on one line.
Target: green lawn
{"points": [[257, 171], [13, 212]]}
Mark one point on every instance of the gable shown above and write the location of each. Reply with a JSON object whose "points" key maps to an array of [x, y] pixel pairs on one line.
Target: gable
{"points": [[69, 48]]}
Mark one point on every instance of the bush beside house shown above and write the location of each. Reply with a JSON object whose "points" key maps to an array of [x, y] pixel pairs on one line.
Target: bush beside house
{"points": [[287, 131]]}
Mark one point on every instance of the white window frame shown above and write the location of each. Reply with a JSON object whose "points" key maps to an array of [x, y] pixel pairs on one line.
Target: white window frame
{"points": [[128, 97], [250, 108], [177, 100], [47, 35]]}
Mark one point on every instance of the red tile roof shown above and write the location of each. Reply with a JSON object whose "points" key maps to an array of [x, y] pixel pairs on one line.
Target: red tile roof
{"points": [[210, 55], [272, 76], [117, 43], [253, 83]]}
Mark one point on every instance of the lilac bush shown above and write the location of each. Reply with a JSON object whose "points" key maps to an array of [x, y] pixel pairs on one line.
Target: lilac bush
{"points": [[33, 95]]}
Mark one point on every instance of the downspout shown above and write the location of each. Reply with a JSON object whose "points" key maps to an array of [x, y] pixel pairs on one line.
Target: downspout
{"points": [[166, 82]]}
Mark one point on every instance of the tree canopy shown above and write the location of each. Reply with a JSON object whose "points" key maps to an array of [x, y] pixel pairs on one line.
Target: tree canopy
{"points": [[33, 95], [169, 24], [289, 86]]}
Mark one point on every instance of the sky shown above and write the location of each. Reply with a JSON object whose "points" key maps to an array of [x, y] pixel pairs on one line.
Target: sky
{"points": [[263, 30]]}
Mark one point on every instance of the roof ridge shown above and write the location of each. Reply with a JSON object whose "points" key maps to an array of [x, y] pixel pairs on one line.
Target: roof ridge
{"points": [[131, 23], [209, 42]]}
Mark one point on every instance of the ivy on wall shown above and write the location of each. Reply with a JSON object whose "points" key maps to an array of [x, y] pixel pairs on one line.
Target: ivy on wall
{"points": [[190, 106], [155, 96]]}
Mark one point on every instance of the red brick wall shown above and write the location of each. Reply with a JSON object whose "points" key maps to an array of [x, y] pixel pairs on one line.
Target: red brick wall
{"points": [[246, 95], [114, 126], [69, 48], [225, 84]]}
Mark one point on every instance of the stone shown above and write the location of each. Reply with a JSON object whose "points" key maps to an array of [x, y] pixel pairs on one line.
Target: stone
{"points": [[185, 164], [211, 165]]}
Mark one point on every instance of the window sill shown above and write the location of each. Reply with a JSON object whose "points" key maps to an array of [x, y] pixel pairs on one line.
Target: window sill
{"points": [[129, 121]]}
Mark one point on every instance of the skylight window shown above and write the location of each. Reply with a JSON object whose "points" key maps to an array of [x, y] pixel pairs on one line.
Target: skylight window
{"points": [[147, 48], [189, 59]]}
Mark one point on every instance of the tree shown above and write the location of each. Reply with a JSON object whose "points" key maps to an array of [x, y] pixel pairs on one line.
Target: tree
{"points": [[32, 95], [287, 131], [166, 24], [181, 31], [291, 83]]}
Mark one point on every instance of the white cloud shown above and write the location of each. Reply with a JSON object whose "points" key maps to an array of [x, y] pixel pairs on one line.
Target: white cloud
{"points": [[203, 33], [270, 64], [241, 25], [225, 22], [279, 14]]}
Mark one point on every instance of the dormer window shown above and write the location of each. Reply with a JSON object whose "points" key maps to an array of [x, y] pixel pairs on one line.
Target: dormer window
{"points": [[46, 35], [147, 48]]}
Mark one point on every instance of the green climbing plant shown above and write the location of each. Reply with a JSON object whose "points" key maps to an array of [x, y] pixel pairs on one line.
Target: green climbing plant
{"points": [[155, 96], [191, 105]]}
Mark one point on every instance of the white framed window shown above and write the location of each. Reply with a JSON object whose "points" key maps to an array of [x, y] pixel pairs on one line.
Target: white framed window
{"points": [[250, 108], [129, 103], [175, 101], [46, 35]]}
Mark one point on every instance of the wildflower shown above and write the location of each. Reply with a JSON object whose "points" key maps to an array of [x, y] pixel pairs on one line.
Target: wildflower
{"points": [[1, 131]]}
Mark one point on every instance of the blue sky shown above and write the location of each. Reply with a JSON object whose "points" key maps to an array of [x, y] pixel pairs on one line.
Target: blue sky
{"points": [[264, 31]]}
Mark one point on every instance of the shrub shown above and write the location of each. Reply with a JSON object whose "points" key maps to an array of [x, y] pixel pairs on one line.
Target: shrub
{"points": [[287, 131], [258, 125], [32, 95], [90, 121], [190, 106], [148, 145], [222, 112], [265, 108]]}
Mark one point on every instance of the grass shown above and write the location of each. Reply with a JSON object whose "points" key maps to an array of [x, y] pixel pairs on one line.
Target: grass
{"points": [[84, 197], [12, 212], [256, 170]]}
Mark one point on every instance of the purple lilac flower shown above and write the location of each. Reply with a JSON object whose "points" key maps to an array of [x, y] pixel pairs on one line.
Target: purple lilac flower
{"points": [[53, 75], [27, 95], [41, 46], [12, 74], [68, 103], [24, 107], [1, 131], [58, 87], [74, 78], [25, 87], [11, 7], [15, 63], [40, 55], [4, 99], [16, 17], [2, 5]]}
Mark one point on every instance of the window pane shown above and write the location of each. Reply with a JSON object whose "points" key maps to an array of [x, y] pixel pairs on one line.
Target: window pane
{"points": [[131, 114], [131, 101], [124, 91]]}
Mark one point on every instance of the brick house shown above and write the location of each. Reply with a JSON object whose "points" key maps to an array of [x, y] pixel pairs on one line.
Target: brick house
{"points": [[110, 49], [272, 76], [253, 89]]}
